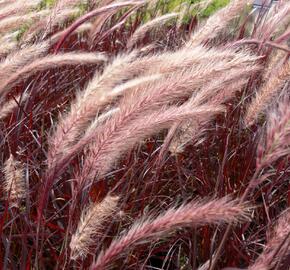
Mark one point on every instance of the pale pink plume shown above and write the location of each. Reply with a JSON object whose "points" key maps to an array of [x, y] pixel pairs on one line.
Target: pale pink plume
{"points": [[8, 43], [278, 246], [149, 26], [19, 7], [13, 22], [218, 21], [90, 225], [276, 143], [48, 62], [268, 92], [20, 58], [192, 214], [14, 184], [44, 28]]}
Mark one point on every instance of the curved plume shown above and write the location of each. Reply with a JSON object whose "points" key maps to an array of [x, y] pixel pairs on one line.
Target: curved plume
{"points": [[14, 184], [218, 21], [192, 214], [90, 225], [267, 93], [90, 15], [20, 58], [278, 246], [50, 61], [142, 30]]}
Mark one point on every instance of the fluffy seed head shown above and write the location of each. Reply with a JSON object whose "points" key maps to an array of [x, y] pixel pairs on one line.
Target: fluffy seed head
{"points": [[90, 225], [14, 184]]}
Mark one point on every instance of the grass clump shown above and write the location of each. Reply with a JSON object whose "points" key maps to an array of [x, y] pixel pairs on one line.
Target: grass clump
{"points": [[144, 135]]}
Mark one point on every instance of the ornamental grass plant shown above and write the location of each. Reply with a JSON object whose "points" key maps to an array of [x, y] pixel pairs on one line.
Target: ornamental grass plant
{"points": [[144, 134]]}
